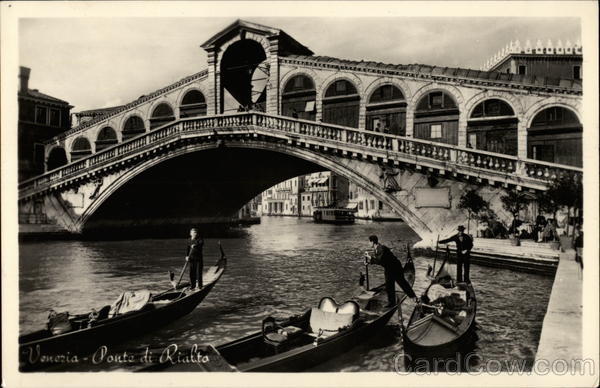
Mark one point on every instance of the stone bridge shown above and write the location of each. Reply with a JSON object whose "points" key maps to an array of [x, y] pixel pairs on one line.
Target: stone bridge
{"points": [[266, 109]]}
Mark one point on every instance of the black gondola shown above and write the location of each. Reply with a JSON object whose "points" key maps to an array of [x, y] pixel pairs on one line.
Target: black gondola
{"points": [[294, 344], [42, 348], [436, 331]]}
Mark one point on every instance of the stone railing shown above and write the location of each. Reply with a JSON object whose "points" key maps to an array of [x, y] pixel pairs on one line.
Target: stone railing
{"points": [[387, 146]]}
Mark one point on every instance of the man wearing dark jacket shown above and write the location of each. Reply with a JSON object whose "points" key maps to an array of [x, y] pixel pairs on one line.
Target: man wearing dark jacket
{"points": [[393, 270], [464, 244], [194, 257]]}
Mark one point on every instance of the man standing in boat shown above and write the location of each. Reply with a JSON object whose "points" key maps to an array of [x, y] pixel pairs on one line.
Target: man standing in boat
{"points": [[194, 257], [393, 270], [464, 244]]}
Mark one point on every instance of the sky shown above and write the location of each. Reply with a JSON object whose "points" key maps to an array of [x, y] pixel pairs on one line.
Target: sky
{"points": [[101, 62]]}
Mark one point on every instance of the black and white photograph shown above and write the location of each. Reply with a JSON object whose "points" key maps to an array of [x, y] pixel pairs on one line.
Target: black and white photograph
{"points": [[332, 194]]}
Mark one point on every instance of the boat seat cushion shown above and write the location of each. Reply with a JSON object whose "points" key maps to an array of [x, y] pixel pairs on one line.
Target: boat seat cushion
{"points": [[329, 304], [437, 291], [130, 301]]}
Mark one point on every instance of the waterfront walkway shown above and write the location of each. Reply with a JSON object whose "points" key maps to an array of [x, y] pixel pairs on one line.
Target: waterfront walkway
{"points": [[561, 333], [528, 257]]}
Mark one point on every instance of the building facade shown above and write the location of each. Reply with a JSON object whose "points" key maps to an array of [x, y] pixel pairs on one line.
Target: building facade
{"points": [[41, 117]]}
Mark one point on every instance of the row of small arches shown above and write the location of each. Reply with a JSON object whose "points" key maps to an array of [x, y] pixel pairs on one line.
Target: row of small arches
{"points": [[340, 106]]}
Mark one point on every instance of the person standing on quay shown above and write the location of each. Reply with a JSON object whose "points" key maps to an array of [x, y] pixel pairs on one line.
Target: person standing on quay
{"points": [[393, 270], [194, 257], [464, 244]]}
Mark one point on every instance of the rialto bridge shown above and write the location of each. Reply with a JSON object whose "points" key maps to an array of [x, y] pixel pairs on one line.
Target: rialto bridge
{"points": [[266, 109]]}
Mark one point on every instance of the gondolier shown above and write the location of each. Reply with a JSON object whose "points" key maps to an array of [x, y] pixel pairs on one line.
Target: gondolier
{"points": [[194, 257], [464, 244], [383, 256]]}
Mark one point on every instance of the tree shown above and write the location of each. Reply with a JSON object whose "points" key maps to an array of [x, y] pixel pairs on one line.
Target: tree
{"points": [[564, 191], [473, 203], [513, 202]]}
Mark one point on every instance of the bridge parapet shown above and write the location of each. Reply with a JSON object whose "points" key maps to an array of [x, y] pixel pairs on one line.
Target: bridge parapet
{"points": [[348, 142]]}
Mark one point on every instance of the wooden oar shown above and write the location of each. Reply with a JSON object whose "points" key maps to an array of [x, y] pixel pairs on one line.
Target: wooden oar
{"points": [[367, 275], [181, 275], [436, 255]]}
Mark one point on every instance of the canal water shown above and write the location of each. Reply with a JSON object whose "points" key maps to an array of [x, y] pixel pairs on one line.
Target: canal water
{"points": [[280, 267]]}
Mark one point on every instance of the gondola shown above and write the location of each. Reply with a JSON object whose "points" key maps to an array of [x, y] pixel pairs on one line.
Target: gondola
{"points": [[43, 348], [436, 330], [300, 342]]}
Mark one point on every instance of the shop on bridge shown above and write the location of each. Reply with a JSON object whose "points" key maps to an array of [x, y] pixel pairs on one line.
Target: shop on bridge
{"points": [[341, 104], [492, 127], [161, 115], [386, 111], [436, 118], [107, 137], [299, 97], [555, 136]]}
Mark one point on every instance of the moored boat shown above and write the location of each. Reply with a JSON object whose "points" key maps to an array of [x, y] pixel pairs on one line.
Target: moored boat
{"points": [[303, 341], [84, 333], [333, 215], [443, 326]]}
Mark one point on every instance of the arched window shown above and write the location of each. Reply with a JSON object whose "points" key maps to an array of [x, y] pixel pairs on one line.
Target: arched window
{"points": [[386, 111], [133, 127], [56, 158], [493, 127], [106, 138], [81, 148], [436, 118], [192, 105], [161, 115], [341, 104], [555, 136], [298, 98]]}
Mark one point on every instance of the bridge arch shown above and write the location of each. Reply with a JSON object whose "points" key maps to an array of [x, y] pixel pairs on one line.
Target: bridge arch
{"points": [[400, 84], [511, 100], [132, 125], [327, 82], [105, 138], [342, 105], [555, 135], [192, 102], [551, 102], [386, 111], [453, 91], [298, 93], [80, 148], [244, 71], [437, 115], [322, 160], [56, 158], [161, 113]]}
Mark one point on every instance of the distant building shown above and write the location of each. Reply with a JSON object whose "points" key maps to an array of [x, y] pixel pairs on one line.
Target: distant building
{"points": [[280, 199], [553, 60], [367, 206], [324, 189], [41, 117]]}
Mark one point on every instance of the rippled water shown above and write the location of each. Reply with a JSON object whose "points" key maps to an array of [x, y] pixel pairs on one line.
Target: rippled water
{"points": [[279, 267]]}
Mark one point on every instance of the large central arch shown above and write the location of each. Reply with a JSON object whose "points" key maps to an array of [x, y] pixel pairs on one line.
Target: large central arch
{"points": [[303, 160]]}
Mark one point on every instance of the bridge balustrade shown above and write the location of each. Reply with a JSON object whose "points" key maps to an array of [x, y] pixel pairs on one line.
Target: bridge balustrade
{"points": [[350, 139]]}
